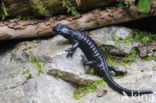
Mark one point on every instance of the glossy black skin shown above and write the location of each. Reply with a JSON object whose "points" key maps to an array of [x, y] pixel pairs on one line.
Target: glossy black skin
{"points": [[95, 57]]}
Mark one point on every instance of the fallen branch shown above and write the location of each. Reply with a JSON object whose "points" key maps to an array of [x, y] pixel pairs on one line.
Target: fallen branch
{"points": [[33, 28]]}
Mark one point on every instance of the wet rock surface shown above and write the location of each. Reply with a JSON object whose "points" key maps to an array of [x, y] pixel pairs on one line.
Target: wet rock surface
{"points": [[38, 71]]}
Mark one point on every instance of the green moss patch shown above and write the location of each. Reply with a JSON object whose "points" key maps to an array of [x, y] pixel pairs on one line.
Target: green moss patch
{"points": [[148, 58], [82, 91], [131, 57], [112, 60], [143, 37], [127, 40], [29, 47], [27, 72], [36, 64], [138, 36]]}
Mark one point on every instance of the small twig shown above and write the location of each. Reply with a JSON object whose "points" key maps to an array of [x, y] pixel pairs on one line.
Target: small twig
{"points": [[78, 2], [4, 8]]}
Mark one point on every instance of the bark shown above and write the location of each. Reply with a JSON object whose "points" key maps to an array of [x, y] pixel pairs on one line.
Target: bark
{"points": [[33, 7], [33, 28]]}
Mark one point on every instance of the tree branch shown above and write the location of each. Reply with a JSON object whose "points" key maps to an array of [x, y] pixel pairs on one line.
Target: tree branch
{"points": [[34, 28]]}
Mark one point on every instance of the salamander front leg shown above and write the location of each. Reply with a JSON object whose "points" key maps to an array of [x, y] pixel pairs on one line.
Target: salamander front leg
{"points": [[86, 62], [71, 50], [117, 71]]}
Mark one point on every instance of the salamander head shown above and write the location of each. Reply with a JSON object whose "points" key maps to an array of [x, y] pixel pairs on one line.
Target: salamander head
{"points": [[63, 30]]}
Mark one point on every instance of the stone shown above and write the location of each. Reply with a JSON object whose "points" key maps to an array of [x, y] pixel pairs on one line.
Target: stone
{"points": [[42, 89], [113, 37], [52, 52], [21, 83], [11, 76], [69, 74]]}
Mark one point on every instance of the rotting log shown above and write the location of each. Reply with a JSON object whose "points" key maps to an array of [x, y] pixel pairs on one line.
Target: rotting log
{"points": [[14, 29]]}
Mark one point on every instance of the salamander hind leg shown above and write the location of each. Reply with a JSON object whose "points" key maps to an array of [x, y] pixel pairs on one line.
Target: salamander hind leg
{"points": [[117, 71]]}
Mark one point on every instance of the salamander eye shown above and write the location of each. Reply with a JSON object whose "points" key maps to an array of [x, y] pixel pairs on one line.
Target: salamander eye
{"points": [[59, 25]]}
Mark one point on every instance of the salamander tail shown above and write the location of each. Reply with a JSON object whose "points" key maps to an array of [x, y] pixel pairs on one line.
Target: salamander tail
{"points": [[121, 89]]}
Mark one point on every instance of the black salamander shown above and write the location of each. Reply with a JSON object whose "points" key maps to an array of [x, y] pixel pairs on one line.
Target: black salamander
{"points": [[95, 57]]}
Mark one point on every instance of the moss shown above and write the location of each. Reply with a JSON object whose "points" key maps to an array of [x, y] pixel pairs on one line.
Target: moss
{"points": [[56, 76], [111, 61], [84, 90], [143, 37], [27, 72], [13, 87], [138, 36], [127, 40], [148, 58], [130, 58], [105, 49], [29, 76], [122, 60], [36, 64], [29, 47], [115, 40], [124, 65], [98, 43], [39, 8], [26, 48]]}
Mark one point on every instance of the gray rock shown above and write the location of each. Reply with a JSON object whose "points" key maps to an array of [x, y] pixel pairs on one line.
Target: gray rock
{"points": [[135, 79], [113, 37], [69, 74], [42, 89], [44, 51], [16, 87], [53, 51], [11, 76]]}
